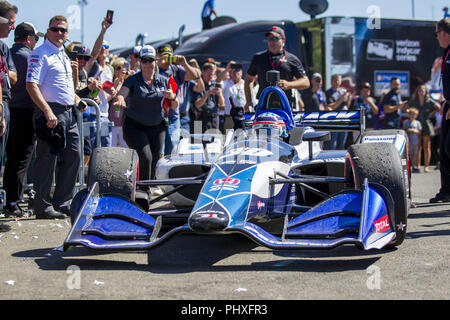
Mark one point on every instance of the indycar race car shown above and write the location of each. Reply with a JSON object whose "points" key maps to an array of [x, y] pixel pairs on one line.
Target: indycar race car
{"points": [[271, 182]]}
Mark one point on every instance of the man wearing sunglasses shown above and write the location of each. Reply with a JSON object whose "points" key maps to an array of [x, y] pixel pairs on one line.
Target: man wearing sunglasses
{"points": [[443, 37], [50, 85], [21, 138], [292, 73]]}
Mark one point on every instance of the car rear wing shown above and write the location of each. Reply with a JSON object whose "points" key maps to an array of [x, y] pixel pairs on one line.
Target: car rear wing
{"points": [[325, 120]]}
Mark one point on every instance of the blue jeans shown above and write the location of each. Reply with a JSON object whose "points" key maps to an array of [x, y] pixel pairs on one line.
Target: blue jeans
{"points": [[172, 135], [337, 141], [185, 122], [106, 137]]}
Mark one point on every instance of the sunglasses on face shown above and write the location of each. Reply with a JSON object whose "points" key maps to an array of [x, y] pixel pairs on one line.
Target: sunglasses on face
{"points": [[106, 46], [274, 38], [147, 60], [56, 29], [136, 55]]}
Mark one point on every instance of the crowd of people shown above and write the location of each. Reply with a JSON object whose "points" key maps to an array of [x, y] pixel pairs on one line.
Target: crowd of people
{"points": [[389, 111], [147, 100]]}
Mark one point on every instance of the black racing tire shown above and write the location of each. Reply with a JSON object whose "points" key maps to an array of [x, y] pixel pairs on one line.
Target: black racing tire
{"points": [[76, 203], [406, 163], [380, 163], [116, 171]]}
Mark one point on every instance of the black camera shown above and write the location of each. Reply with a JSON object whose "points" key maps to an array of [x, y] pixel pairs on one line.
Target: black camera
{"points": [[236, 66], [73, 55]]}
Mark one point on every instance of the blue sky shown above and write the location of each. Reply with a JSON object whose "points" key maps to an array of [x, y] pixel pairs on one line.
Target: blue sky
{"points": [[161, 19]]}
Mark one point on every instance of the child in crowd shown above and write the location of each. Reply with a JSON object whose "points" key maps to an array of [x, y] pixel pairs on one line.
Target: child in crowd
{"points": [[413, 128]]}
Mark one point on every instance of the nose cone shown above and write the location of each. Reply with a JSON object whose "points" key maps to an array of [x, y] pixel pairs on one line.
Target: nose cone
{"points": [[208, 220]]}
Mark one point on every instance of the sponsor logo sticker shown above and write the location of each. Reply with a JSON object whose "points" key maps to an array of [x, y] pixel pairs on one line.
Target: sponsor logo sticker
{"points": [[381, 225], [226, 184]]}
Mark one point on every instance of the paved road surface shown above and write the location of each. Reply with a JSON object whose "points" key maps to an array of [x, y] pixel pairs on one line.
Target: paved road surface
{"points": [[201, 267]]}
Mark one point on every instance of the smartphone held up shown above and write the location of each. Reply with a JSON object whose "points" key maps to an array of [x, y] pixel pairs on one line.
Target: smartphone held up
{"points": [[109, 16]]}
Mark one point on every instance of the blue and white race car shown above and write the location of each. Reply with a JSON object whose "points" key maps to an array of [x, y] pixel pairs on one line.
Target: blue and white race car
{"points": [[270, 181]]}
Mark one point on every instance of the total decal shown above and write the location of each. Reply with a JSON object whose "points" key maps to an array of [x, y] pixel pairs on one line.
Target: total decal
{"points": [[381, 225], [229, 184]]}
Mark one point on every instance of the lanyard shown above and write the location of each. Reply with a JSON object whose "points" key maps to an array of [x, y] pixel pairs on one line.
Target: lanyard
{"points": [[442, 66], [64, 65], [8, 84], [3, 64], [279, 64]]}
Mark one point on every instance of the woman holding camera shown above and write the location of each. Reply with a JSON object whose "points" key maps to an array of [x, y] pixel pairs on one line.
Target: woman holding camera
{"points": [[145, 124]]}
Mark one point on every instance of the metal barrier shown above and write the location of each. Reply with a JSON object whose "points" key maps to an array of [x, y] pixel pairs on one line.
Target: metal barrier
{"points": [[2, 153], [84, 131], [82, 128]]}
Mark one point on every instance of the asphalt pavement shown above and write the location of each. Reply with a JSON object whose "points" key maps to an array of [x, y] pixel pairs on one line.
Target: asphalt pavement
{"points": [[230, 267]]}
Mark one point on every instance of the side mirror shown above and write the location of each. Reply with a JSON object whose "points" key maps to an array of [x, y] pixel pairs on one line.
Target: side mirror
{"points": [[317, 136]]}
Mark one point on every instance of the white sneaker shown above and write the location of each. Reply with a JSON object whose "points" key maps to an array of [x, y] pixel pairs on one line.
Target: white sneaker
{"points": [[156, 191]]}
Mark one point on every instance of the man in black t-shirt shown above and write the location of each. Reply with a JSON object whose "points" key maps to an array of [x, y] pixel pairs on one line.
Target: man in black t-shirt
{"points": [[392, 105], [311, 97], [292, 73], [443, 36], [21, 139]]}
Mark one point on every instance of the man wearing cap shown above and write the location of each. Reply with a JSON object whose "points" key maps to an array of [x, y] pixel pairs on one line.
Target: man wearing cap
{"points": [[311, 96], [20, 143], [182, 72], [50, 85], [292, 73]]}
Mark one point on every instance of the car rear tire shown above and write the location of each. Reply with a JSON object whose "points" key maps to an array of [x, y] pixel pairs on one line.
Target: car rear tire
{"points": [[380, 163]]}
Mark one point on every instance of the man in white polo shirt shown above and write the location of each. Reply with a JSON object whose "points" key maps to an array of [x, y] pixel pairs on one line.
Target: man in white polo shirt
{"points": [[50, 85]]}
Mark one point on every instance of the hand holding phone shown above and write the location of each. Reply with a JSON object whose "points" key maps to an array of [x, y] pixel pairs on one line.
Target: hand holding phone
{"points": [[109, 16]]}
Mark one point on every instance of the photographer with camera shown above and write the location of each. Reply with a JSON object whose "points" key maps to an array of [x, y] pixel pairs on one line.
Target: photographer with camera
{"points": [[366, 102], [337, 99], [234, 89], [211, 100], [181, 71]]}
